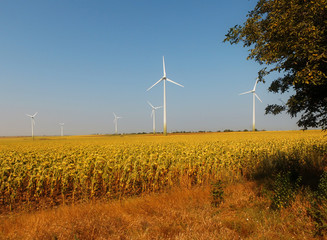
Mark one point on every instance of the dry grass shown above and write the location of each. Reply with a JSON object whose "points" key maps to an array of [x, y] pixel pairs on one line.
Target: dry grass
{"points": [[177, 214]]}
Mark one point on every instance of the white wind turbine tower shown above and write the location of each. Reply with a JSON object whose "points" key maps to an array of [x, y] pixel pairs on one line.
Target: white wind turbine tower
{"points": [[164, 79], [116, 123], [32, 122], [254, 96], [62, 129], [153, 115]]}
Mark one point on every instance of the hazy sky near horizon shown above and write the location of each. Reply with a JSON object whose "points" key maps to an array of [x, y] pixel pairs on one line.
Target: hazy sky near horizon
{"points": [[77, 62]]}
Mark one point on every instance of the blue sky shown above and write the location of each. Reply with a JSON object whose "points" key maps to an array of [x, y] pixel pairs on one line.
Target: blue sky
{"points": [[77, 62]]}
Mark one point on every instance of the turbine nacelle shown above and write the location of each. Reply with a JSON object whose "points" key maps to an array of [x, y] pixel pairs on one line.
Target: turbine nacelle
{"points": [[32, 116], [154, 108], [164, 77], [116, 117], [253, 91]]}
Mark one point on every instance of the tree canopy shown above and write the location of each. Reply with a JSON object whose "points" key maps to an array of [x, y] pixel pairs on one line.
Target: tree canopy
{"points": [[290, 37]]}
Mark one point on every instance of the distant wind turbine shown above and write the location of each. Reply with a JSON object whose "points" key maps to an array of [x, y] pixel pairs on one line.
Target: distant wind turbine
{"points": [[116, 123], [254, 96], [164, 79], [153, 115], [62, 129], [285, 107], [32, 122]]}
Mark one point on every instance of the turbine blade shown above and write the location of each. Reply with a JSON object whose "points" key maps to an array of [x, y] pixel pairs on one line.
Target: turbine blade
{"points": [[114, 115], [29, 115], [255, 85], [150, 104], [35, 114], [257, 97], [246, 92], [164, 67], [154, 84], [174, 82], [158, 107], [282, 101]]}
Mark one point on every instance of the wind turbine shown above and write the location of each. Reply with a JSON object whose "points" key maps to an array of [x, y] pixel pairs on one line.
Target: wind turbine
{"points": [[153, 115], [62, 129], [32, 122], [164, 79], [254, 96], [116, 123]]}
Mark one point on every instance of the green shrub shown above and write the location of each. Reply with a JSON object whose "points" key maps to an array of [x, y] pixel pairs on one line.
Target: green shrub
{"points": [[318, 209], [284, 190], [217, 193], [322, 187]]}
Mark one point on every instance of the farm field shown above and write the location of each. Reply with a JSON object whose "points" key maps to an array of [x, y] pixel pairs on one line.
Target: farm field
{"points": [[53, 171]]}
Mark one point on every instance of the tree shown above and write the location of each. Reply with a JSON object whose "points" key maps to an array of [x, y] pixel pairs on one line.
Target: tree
{"points": [[290, 37]]}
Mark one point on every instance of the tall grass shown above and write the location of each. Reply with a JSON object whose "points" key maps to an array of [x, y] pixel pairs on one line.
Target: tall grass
{"points": [[180, 213]]}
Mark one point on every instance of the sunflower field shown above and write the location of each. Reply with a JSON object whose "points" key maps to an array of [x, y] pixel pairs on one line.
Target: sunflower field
{"points": [[81, 168]]}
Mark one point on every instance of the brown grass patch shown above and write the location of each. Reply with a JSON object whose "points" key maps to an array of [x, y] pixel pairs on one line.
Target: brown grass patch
{"points": [[178, 214]]}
